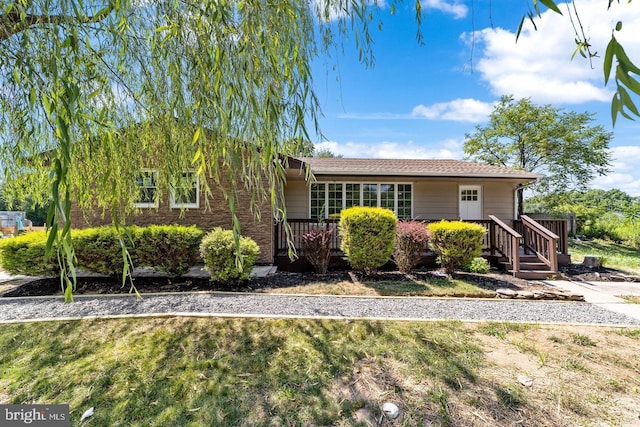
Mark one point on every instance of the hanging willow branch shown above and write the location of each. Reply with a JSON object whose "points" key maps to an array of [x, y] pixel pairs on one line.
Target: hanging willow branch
{"points": [[107, 89]]}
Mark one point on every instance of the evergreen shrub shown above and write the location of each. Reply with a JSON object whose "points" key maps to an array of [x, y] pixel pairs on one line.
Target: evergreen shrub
{"points": [[219, 253], [25, 254], [456, 243], [368, 235], [100, 250], [172, 249]]}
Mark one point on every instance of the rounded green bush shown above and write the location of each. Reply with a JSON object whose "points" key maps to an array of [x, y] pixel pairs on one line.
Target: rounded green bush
{"points": [[368, 235], [220, 255], [478, 265], [456, 243], [25, 254]]}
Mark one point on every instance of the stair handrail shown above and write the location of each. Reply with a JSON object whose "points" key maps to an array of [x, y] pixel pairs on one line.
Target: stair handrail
{"points": [[541, 235], [509, 248]]}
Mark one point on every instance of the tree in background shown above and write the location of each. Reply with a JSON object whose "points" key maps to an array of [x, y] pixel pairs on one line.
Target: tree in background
{"points": [[563, 146], [601, 214], [325, 153]]}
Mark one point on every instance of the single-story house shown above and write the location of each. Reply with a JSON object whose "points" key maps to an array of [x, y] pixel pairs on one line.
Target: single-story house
{"points": [[420, 189]]}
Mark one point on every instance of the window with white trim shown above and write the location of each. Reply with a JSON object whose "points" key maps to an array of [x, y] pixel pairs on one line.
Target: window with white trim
{"points": [[187, 193], [147, 183], [369, 195], [404, 194], [327, 199]]}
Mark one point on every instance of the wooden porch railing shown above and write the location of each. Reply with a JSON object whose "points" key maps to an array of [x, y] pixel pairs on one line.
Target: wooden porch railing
{"points": [[300, 227], [506, 241], [541, 241], [500, 239]]}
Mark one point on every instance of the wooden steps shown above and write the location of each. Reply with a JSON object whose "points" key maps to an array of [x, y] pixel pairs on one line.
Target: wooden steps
{"points": [[531, 268]]}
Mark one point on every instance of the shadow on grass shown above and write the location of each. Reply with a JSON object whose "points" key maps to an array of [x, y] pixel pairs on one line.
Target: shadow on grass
{"points": [[429, 283], [254, 372]]}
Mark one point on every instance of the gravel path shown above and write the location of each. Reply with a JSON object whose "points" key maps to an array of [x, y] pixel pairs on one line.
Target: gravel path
{"points": [[262, 305]]}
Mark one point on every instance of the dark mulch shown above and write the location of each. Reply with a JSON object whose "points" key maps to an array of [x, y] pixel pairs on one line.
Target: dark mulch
{"points": [[282, 279], [103, 285]]}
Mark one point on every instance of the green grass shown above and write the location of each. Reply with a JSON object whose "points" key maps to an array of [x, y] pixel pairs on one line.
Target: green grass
{"points": [[614, 255], [223, 372], [502, 329], [582, 340], [631, 299], [430, 287], [261, 372]]}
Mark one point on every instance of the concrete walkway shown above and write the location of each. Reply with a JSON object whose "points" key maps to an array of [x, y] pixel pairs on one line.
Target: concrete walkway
{"points": [[604, 294]]}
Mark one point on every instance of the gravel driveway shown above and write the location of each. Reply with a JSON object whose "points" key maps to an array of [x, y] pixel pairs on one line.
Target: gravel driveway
{"points": [[263, 305]]}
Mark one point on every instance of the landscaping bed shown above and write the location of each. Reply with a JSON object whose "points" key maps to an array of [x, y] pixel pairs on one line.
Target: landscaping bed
{"points": [[341, 282]]}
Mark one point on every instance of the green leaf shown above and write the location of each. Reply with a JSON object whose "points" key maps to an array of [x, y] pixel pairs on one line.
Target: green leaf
{"points": [[196, 135], [624, 60], [627, 101], [551, 5], [628, 81], [51, 239], [608, 58], [519, 28], [615, 108], [619, 26]]}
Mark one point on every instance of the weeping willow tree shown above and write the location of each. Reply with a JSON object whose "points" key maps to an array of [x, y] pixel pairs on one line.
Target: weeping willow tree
{"points": [[93, 91]]}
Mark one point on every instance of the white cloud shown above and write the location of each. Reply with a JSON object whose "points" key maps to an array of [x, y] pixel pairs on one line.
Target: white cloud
{"points": [[455, 8], [459, 110], [332, 10], [625, 174], [539, 65], [448, 149]]}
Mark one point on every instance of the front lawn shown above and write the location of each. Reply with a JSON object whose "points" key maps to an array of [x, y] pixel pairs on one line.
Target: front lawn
{"points": [[393, 284], [194, 372]]}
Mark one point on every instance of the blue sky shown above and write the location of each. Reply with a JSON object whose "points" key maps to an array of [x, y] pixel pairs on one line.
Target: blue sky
{"points": [[419, 101]]}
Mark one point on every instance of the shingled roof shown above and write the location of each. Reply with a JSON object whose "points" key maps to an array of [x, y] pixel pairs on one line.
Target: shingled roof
{"points": [[411, 167]]}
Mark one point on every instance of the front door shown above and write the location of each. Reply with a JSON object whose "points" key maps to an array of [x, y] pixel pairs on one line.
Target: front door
{"points": [[470, 201]]}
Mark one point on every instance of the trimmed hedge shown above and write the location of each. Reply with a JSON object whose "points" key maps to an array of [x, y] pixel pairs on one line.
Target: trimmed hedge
{"points": [[169, 248], [456, 243], [24, 254], [99, 249], [219, 253], [411, 241], [368, 235]]}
